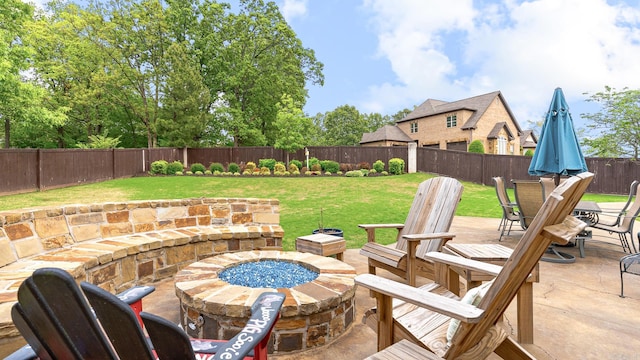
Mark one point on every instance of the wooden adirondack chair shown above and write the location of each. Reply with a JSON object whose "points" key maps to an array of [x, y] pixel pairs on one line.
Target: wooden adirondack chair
{"points": [[53, 316], [422, 315], [425, 229]]}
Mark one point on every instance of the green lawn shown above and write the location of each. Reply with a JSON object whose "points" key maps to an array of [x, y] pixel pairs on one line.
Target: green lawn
{"points": [[346, 202]]}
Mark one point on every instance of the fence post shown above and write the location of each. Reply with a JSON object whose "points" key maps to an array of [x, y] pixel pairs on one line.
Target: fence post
{"points": [[39, 170], [412, 157], [185, 158]]}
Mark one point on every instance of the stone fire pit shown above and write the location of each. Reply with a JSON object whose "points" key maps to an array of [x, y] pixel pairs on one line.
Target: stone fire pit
{"points": [[313, 314]]}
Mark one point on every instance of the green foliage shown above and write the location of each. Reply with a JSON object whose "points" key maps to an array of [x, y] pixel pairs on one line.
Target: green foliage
{"points": [[268, 163], [354, 173], [313, 161], [292, 126], [297, 163], [216, 166], [365, 172], [330, 166], [159, 167], [529, 152], [184, 116], [476, 147], [100, 142], [293, 168], [174, 167], [198, 167], [343, 126], [616, 125], [316, 167], [378, 166], [233, 168], [396, 166]]}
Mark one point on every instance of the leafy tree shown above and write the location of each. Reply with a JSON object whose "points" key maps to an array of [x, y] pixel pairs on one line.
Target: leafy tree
{"points": [[293, 127], [400, 114], [344, 126], [617, 124], [69, 66], [254, 60], [185, 100], [21, 101]]}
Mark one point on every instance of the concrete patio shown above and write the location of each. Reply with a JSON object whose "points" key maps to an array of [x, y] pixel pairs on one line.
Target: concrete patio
{"points": [[578, 313]]}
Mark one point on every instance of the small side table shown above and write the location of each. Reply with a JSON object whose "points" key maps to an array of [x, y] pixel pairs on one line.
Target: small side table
{"points": [[322, 244], [497, 254]]}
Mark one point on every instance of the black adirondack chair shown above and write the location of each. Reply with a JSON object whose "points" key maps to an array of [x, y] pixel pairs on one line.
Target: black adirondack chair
{"points": [[53, 315]]}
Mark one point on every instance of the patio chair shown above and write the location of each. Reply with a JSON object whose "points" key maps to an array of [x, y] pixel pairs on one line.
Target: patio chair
{"points": [[530, 197], [425, 229], [613, 218], [629, 264], [53, 316], [424, 315], [623, 225], [509, 214]]}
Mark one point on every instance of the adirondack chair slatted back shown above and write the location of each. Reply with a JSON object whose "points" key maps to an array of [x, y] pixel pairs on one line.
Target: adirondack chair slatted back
{"points": [[56, 312], [432, 211], [524, 258], [119, 323]]}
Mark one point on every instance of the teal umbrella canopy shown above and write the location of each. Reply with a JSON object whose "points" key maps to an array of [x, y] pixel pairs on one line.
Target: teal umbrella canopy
{"points": [[558, 151]]}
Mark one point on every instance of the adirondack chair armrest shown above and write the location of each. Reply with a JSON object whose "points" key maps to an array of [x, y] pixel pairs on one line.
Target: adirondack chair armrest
{"points": [[371, 229], [265, 311], [419, 237], [461, 262], [420, 297], [135, 294], [565, 231]]}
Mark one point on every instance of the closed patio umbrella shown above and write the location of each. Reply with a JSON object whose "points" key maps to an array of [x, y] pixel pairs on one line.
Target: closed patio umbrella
{"points": [[558, 151]]}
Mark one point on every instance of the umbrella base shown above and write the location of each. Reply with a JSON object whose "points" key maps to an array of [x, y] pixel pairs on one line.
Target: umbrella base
{"points": [[558, 257]]}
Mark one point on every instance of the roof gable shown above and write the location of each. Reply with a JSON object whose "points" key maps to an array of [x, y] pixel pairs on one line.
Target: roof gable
{"points": [[477, 104], [386, 133], [496, 131]]}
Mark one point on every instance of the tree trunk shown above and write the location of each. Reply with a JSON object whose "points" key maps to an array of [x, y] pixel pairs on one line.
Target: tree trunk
{"points": [[7, 132]]}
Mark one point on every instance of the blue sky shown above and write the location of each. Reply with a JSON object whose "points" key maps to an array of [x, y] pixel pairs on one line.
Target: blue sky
{"points": [[387, 55]]}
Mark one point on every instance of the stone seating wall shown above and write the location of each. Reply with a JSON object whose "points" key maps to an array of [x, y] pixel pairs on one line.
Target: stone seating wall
{"points": [[119, 245]]}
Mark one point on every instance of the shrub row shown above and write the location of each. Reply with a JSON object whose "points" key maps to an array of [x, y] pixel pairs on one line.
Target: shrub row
{"points": [[271, 166]]}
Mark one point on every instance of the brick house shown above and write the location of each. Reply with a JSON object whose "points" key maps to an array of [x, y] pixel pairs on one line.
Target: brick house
{"points": [[454, 125]]}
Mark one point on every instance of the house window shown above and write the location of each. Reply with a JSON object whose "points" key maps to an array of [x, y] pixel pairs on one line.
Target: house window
{"points": [[414, 127], [502, 145], [452, 121]]}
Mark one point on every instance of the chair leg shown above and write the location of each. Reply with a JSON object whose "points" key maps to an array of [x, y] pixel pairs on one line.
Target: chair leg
{"points": [[621, 280]]}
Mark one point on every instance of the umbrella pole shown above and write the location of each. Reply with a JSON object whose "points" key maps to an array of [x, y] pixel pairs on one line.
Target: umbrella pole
{"points": [[556, 179]]}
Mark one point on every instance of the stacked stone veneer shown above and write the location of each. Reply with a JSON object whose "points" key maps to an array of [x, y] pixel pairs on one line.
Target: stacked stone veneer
{"points": [[118, 245], [313, 314]]}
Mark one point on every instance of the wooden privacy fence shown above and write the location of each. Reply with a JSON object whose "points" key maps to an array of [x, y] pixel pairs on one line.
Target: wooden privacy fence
{"points": [[28, 170]]}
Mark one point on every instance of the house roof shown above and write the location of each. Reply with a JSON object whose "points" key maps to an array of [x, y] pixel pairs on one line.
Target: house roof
{"points": [[524, 139], [477, 104], [385, 133], [493, 134]]}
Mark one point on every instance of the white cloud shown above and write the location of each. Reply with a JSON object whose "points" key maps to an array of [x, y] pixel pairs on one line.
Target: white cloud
{"points": [[293, 8], [454, 49]]}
